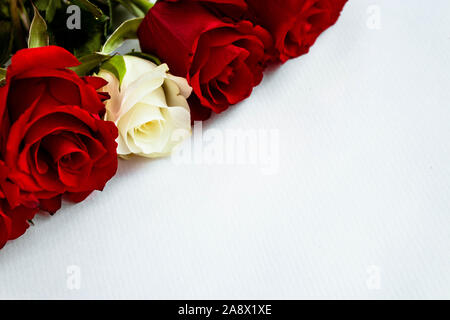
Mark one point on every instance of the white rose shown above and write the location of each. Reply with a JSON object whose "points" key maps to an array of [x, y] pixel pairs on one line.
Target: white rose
{"points": [[149, 108]]}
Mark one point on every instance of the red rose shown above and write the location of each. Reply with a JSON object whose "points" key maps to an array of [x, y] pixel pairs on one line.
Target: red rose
{"points": [[53, 137], [295, 24], [16, 208], [222, 60]]}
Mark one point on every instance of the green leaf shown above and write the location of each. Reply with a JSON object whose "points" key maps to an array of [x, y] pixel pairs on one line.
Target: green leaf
{"points": [[6, 40], [49, 6], [145, 56], [2, 77], [4, 10], [2, 74], [19, 33], [41, 4], [110, 9], [93, 43], [127, 30], [89, 63], [92, 8], [143, 5], [51, 9], [132, 8], [116, 65], [38, 36]]}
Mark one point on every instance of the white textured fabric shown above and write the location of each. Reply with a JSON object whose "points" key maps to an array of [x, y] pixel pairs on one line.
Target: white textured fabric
{"points": [[358, 206]]}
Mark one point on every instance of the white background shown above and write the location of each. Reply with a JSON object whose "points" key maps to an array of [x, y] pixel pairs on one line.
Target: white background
{"points": [[358, 208]]}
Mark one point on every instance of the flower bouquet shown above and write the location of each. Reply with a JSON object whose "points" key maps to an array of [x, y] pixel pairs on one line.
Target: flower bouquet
{"points": [[70, 104]]}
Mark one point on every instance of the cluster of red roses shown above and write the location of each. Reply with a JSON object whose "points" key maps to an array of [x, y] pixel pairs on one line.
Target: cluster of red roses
{"points": [[53, 139], [223, 46]]}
